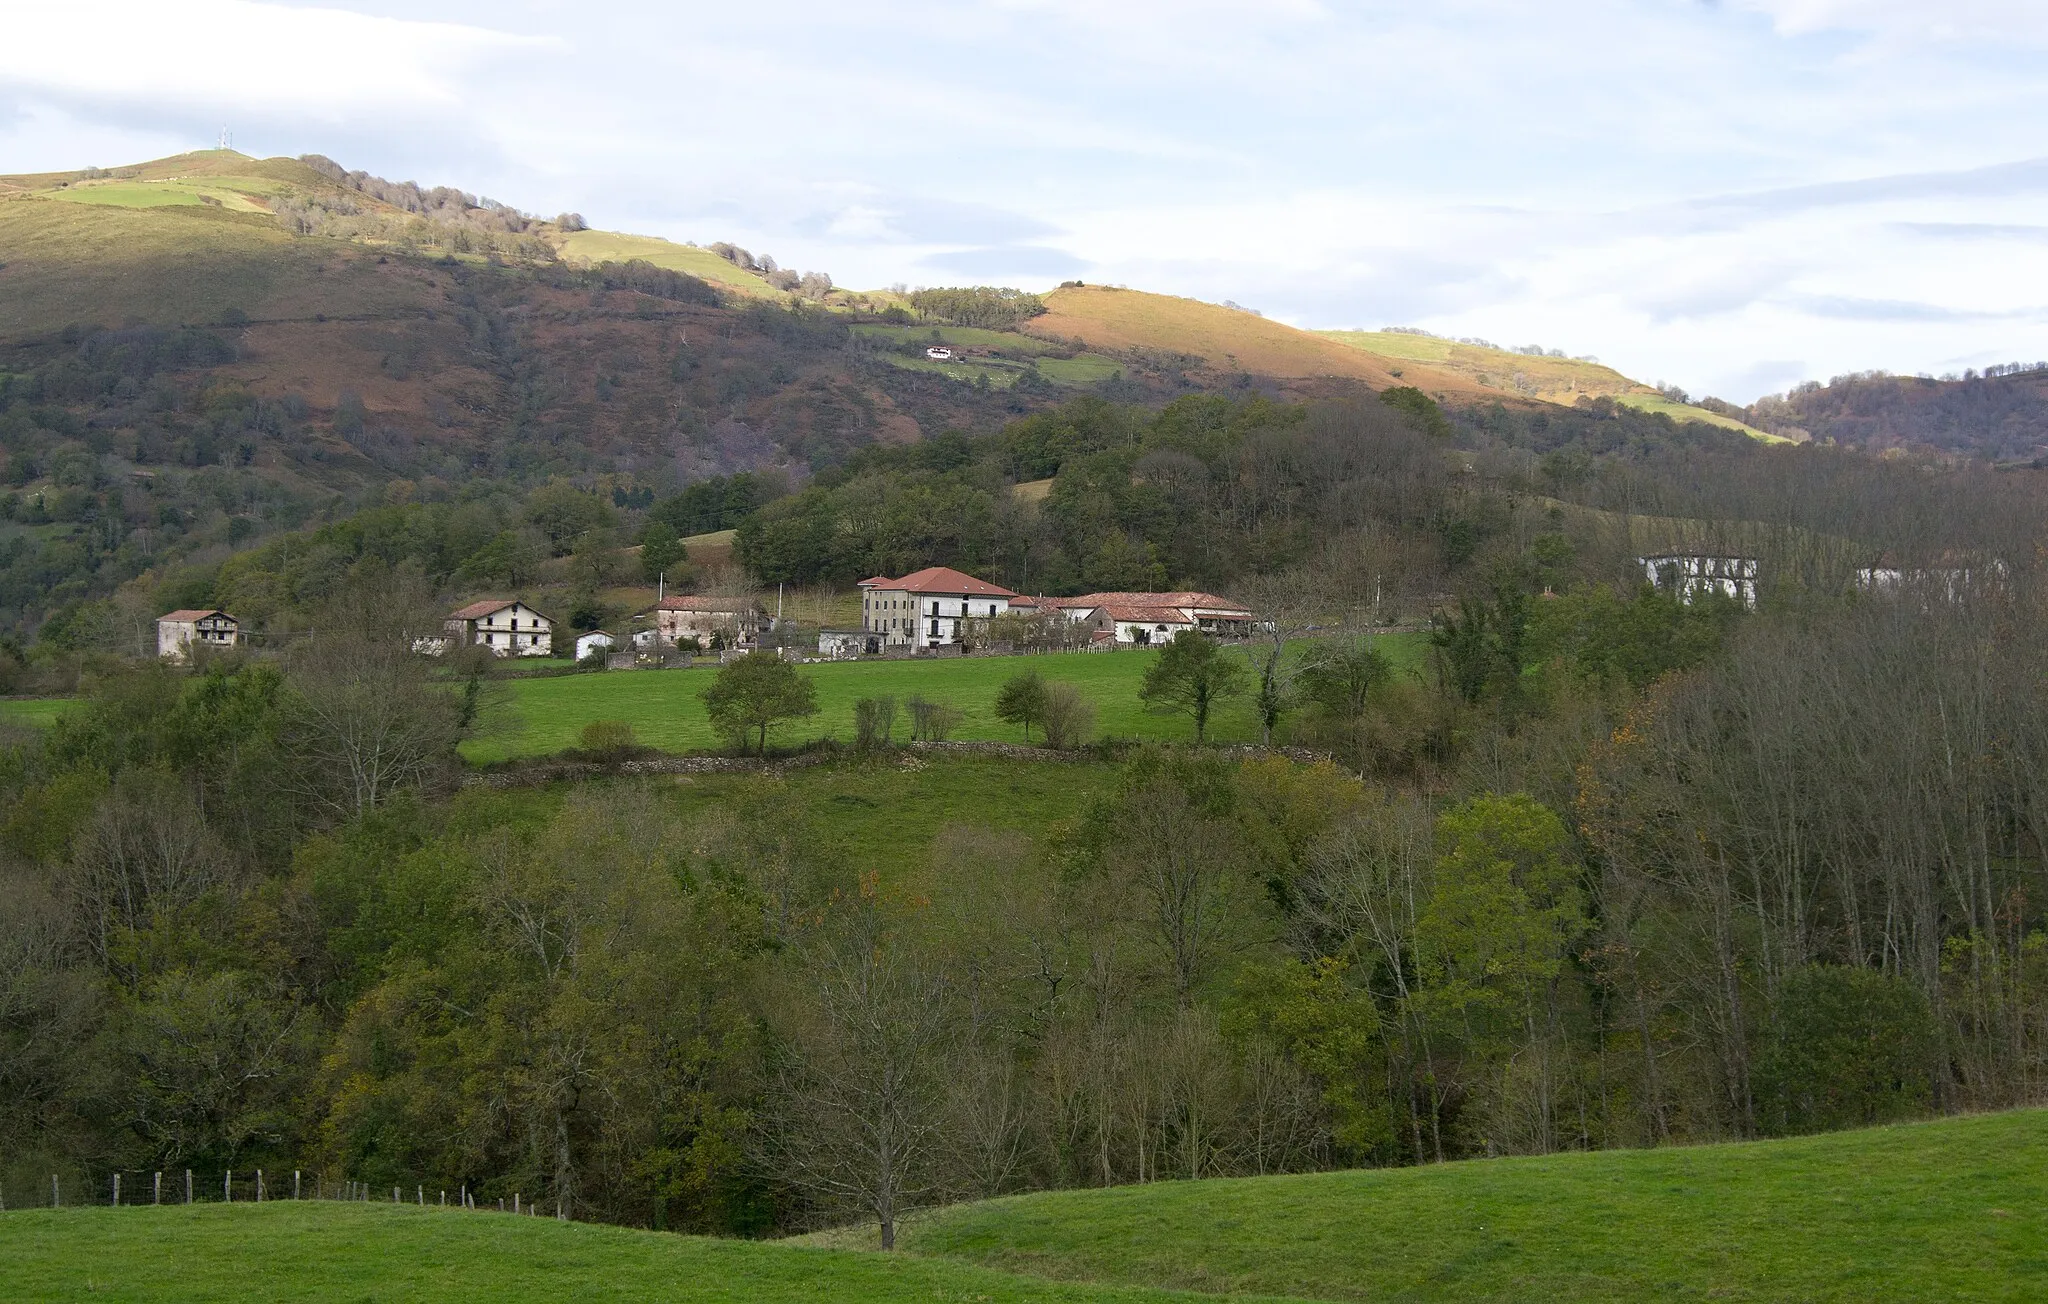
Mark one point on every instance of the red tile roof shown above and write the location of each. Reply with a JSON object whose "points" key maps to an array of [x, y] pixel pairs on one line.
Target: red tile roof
{"points": [[874, 580], [1184, 598], [943, 579], [478, 610], [716, 606], [192, 614], [1138, 615]]}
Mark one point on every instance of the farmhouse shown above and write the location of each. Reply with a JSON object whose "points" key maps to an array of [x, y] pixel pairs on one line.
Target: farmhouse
{"points": [[731, 620], [1141, 619], [927, 609], [178, 631], [1691, 575], [510, 629]]}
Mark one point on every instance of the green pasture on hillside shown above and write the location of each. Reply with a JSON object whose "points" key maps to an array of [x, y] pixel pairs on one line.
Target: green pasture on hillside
{"points": [[35, 711], [324, 1251], [886, 813], [1948, 1210], [965, 337], [665, 712], [617, 247], [1955, 1209]]}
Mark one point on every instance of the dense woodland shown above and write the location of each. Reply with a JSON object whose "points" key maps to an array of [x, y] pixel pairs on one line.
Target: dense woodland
{"points": [[1615, 870]]}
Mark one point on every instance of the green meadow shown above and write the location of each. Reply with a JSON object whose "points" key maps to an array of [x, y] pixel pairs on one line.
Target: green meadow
{"points": [[616, 247], [34, 711], [1955, 1209], [664, 709], [1948, 1210], [338, 1251]]}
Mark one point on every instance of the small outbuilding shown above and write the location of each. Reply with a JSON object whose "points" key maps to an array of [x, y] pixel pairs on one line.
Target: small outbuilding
{"points": [[177, 632], [939, 353], [846, 644], [597, 640]]}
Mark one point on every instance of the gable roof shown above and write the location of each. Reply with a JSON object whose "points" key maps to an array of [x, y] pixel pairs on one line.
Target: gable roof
{"points": [[478, 610], [1143, 615], [716, 606], [1185, 600], [944, 579], [193, 614]]}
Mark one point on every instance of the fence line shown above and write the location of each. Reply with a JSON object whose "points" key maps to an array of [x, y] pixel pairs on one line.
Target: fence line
{"points": [[124, 1188]]}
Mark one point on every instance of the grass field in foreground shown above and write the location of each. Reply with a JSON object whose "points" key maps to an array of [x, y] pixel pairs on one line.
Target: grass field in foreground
{"points": [[1946, 1210], [665, 712], [334, 1251]]}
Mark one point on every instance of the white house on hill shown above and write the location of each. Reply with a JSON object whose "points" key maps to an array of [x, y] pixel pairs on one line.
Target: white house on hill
{"points": [[928, 608], [1693, 575], [178, 631], [510, 629]]}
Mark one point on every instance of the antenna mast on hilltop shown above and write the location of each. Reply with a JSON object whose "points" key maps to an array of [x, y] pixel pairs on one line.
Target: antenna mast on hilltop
{"points": [[227, 139]]}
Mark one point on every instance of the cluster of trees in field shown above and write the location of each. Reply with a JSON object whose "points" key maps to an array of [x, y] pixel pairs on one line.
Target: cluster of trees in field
{"points": [[1722, 874], [436, 217], [985, 306], [810, 285]]}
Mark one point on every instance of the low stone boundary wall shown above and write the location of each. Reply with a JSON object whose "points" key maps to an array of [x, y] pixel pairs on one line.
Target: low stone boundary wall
{"points": [[541, 772]]}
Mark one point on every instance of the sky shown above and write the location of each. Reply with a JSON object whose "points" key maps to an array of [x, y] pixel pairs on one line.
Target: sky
{"points": [[1729, 195]]}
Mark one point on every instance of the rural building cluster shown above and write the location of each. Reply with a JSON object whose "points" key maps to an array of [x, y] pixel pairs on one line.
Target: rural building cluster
{"points": [[934, 611]]}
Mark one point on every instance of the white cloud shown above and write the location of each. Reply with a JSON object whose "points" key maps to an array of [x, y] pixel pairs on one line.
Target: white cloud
{"points": [[245, 55]]}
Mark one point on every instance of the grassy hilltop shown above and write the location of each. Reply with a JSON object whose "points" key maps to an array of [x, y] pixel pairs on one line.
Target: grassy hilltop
{"points": [[1933, 1211]]}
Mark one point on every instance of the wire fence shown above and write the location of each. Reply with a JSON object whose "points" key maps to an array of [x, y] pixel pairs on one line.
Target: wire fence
{"points": [[138, 1188]]}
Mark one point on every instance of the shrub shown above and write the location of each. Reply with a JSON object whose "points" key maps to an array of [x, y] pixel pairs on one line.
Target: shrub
{"points": [[607, 737], [1066, 717], [874, 721], [932, 722]]}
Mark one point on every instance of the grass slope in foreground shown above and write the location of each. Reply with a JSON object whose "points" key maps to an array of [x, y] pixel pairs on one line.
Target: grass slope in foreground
{"points": [[332, 1251], [1946, 1210]]}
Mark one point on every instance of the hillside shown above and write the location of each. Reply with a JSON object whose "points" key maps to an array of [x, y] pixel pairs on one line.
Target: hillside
{"points": [[1933, 1211], [1508, 373], [329, 1250], [2000, 415], [1224, 343]]}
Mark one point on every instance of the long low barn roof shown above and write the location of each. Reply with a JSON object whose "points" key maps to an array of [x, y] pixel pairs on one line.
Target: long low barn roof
{"points": [[715, 606], [1183, 600], [939, 579], [192, 614]]}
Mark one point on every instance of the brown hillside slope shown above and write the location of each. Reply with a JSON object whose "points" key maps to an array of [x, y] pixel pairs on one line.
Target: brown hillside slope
{"points": [[1228, 341]]}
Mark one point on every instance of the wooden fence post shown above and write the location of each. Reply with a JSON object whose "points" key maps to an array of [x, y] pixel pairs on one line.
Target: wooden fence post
{"points": [[227, 1187], [259, 1186], [295, 1183], [117, 1190], [420, 1196], [56, 1193], [394, 1195], [156, 1188], [515, 1202], [188, 1186], [444, 1198]]}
